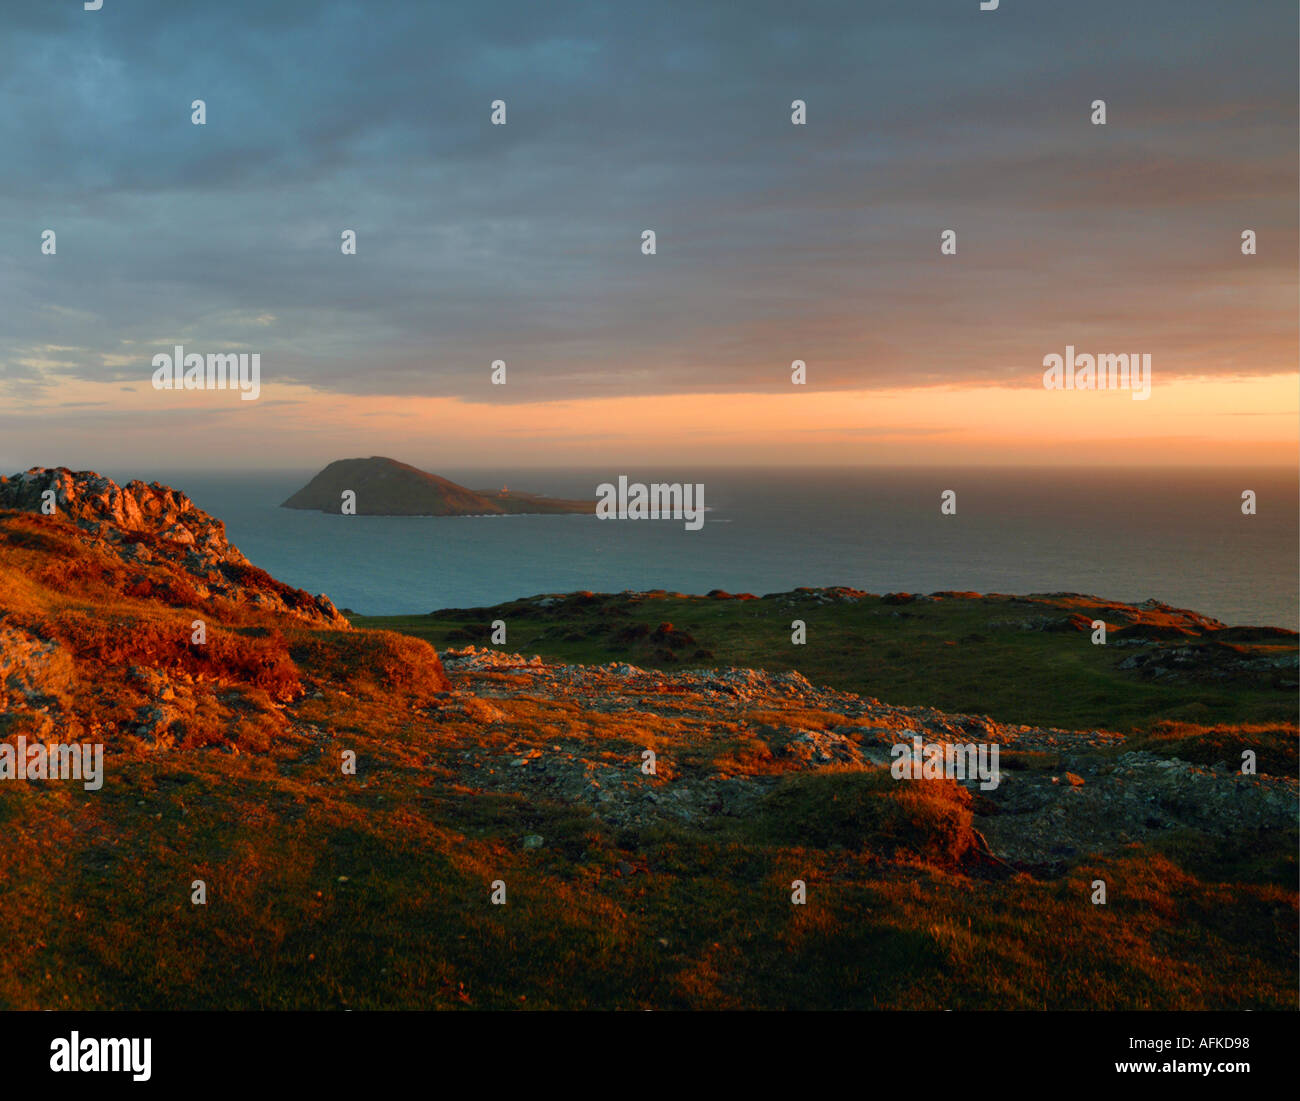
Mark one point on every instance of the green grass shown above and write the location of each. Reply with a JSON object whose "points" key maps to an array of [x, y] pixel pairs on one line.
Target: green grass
{"points": [[99, 916], [950, 654], [329, 891]]}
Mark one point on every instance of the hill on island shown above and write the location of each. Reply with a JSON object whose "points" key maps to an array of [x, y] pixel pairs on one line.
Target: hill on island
{"points": [[385, 487]]}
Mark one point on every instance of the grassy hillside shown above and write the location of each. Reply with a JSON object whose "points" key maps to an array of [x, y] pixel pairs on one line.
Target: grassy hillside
{"points": [[1016, 659], [329, 889]]}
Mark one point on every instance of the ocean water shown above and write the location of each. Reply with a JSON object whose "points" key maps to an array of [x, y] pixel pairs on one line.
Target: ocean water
{"points": [[1176, 535]]}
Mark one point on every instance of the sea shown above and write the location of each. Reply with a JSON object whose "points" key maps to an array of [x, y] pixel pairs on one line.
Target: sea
{"points": [[1176, 535]]}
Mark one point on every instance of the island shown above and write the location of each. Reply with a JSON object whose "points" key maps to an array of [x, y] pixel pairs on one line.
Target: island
{"points": [[385, 487]]}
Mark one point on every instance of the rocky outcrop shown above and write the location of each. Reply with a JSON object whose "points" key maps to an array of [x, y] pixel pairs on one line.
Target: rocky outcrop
{"points": [[159, 530], [128, 618], [99, 505]]}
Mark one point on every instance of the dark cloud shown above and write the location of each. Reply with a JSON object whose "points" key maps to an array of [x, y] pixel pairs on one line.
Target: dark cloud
{"points": [[522, 243]]}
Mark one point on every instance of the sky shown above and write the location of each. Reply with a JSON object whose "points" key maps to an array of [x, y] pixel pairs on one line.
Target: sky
{"points": [[523, 242]]}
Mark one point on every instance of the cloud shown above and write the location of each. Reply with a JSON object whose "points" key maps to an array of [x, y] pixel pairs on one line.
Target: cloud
{"points": [[521, 242]]}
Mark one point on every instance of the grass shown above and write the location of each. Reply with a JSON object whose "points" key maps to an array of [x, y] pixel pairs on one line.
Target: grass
{"points": [[962, 655], [372, 891], [1274, 744], [374, 894]]}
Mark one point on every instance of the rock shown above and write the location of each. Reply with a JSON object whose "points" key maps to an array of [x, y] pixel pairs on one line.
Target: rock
{"points": [[533, 841], [156, 526]]}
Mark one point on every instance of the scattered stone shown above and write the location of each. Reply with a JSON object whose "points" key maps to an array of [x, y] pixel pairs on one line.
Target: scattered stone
{"points": [[1028, 821]]}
